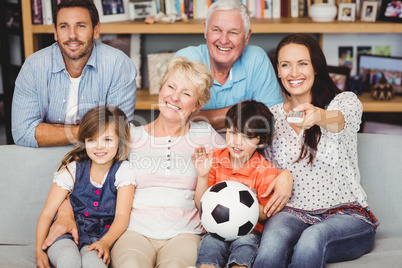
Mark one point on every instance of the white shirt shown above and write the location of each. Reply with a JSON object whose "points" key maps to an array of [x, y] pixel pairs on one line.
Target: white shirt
{"points": [[72, 102], [125, 175]]}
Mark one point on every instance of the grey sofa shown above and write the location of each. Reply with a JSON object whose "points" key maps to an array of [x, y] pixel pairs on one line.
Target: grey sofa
{"points": [[26, 177]]}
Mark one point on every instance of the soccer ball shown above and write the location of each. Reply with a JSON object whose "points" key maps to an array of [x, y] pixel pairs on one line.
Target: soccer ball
{"points": [[229, 210]]}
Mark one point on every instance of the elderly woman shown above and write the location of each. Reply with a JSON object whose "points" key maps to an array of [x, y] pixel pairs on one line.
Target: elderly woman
{"points": [[165, 228]]}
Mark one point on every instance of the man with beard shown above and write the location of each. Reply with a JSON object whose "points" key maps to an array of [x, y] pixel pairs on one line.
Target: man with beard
{"points": [[60, 83]]}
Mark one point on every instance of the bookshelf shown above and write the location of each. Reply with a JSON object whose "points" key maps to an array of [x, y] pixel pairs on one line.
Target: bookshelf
{"points": [[145, 101], [258, 26]]}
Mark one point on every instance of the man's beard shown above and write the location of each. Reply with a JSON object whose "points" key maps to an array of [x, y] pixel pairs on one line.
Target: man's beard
{"points": [[86, 51]]}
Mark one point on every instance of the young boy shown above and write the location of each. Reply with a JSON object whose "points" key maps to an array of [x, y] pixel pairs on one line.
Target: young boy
{"points": [[248, 125]]}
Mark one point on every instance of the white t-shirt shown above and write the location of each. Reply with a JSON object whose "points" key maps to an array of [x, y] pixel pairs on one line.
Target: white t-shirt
{"points": [[72, 102]]}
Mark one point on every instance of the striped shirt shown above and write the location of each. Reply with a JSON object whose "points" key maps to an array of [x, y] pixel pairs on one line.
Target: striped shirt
{"points": [[163, 205], [257, 174], [42, 88]]}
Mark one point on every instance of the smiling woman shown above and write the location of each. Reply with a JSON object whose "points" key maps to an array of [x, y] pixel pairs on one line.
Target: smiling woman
{"points": [[183, 92], [161, 154], [321, 154]]}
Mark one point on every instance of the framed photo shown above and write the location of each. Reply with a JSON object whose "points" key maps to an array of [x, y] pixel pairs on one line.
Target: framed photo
{"points": [[157, 65], [341, 76], [347, 12], [12, 18], [373, 67], [142, 9], [112, 10], [391, 10], [369, 11]]}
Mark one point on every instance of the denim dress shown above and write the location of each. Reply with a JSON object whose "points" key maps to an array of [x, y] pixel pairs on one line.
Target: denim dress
{"points": [[94, 208]]}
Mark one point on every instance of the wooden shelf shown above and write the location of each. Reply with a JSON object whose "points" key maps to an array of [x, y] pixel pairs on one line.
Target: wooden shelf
{"points": [[375, 106], [145, 101], [258, 26], [261, 26]]}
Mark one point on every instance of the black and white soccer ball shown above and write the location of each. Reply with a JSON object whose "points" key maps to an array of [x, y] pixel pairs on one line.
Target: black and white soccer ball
{"points": [[229, 210]]}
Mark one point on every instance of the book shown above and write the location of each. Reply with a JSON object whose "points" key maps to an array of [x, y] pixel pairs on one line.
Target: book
{"points": [[163, 6], [276, 9], [158, 6], [189, 8], [302, 10], [47, 12], [258, 9], [251, 8], [37, 15], [284, 8], [170, 7], [294, 8], [267, 9]]}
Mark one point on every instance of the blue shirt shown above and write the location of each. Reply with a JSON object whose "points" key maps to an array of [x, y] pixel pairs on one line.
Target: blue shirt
{"points": [[252, 77], [43, 84]]}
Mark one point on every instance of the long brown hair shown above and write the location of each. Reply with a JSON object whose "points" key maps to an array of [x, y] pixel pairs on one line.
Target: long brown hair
{"points": [[93, 124], [322, 91]]}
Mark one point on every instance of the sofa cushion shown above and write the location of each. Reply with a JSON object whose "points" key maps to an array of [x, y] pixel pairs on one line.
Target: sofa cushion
{"points": [[26, 178], [380, 165], [387, 253]]}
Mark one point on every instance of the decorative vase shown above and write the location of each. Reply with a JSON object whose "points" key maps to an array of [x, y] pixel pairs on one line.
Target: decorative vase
{"points": [[323, 12]]}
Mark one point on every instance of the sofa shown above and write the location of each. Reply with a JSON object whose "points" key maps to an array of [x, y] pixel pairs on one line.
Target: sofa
{"points": [[26, 177]]}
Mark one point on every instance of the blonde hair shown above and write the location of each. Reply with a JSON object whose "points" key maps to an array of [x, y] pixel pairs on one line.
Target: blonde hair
{"points": [[191, 72], [93, 124]]}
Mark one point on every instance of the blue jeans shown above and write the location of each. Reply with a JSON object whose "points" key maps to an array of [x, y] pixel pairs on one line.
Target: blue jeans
{"points": [[217, 253], [287, 239]]}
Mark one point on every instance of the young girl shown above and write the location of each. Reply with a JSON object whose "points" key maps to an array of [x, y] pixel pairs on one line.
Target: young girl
{"points": [[327, 219], [101, 189], [248, 129]]}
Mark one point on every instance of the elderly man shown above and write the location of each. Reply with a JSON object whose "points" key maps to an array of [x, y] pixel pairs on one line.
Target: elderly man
{"points": [[60, 83], [240, 71]]}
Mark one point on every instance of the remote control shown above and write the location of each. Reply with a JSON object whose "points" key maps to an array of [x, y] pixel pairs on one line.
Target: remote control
{"points": [[295, 117]]}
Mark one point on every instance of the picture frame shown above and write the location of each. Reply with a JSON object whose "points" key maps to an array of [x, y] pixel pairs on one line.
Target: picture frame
{"points": [[372, 67], [341, 76], [112, 10], [347, 12], [369, 11], [157, 66], [391, 10], [141, 9], [12, 17]]}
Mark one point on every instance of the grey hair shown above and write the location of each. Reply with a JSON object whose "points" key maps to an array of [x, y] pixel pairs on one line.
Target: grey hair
{"points": [[230, 5]]}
